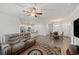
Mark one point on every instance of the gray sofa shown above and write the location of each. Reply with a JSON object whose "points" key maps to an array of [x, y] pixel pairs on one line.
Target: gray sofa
{"points": [[17, 43]]}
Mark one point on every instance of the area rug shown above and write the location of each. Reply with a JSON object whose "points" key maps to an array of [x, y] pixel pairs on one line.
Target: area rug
{"points": [[41, 50]]}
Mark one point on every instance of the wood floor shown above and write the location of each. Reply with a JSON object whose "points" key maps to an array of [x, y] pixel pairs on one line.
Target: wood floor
{"points": [[45, 41]]}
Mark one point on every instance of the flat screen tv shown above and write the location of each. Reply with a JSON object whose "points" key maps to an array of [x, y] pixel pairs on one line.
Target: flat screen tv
{"points": [[76, 27]]}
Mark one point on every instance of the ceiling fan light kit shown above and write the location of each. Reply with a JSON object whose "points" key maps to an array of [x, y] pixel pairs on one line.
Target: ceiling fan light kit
{"points": [[33, 12]]}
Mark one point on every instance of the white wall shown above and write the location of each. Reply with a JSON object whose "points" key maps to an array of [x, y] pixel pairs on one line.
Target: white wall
{"points": [[57, 27], [66, 28], [8, 24], [60, 27], [72, 17], [50, 27], [42, 28]]}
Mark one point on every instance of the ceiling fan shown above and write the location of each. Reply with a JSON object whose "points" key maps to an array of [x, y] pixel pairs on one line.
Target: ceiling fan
{"points": [[32, 12]]}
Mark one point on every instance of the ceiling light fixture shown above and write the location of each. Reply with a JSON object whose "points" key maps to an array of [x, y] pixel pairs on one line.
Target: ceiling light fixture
{"points": [[33, 11]]}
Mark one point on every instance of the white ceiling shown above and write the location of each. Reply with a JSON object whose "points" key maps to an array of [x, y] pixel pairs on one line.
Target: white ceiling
{"points": [[50, 11]]}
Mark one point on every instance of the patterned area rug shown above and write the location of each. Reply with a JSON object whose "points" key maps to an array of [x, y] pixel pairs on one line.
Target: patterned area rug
{"points": [[50, 47], [42, 50]]}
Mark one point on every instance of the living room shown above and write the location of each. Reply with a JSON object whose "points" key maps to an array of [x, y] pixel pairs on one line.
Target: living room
{"points": [[38, 28]]}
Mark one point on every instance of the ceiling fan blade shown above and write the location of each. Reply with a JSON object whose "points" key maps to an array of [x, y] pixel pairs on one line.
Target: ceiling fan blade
{"points": [[39, 13], [34, 9], [28, 15], [36, 16], [26, 11]]}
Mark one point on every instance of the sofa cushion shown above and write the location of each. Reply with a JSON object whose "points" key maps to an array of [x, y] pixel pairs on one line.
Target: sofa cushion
{"points": [[29, 43], [13, 41], [24, 40], [17, 47]]}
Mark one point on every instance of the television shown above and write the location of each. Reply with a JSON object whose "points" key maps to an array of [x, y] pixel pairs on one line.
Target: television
{"points": [[76, 27]]}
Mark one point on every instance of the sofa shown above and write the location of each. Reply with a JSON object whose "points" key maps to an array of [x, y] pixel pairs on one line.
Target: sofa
{"points": [[16, 43]]}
